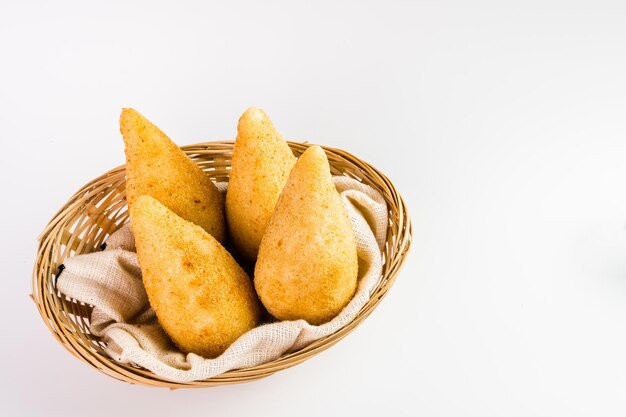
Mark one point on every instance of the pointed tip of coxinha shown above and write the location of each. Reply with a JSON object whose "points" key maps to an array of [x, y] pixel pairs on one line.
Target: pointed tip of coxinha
{"points": [[253, 114], [128, 114], [143, 137], [315, 154], [314, 158], [146, 208], [201, 296], [312, 168], [254, 124], [159, 228], [133, 125], [156, 166], [155, 226]]}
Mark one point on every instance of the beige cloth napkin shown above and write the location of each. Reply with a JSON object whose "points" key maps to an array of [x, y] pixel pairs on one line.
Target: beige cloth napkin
{"points": [[110, 280]]}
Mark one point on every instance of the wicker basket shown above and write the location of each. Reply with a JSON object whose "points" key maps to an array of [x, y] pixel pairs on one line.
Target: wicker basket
{"points": [[99, 208]]}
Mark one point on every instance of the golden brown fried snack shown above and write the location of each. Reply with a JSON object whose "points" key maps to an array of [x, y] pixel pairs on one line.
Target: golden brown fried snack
{"points": [[307, 265], [155, 166], [202, 298], [261, 164]]}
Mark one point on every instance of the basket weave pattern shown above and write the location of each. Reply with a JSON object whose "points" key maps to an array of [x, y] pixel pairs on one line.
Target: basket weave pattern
{"points": [[99, 208]]}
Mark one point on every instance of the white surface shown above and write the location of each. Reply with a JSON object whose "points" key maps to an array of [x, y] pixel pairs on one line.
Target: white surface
{"points": [[502, 125]]}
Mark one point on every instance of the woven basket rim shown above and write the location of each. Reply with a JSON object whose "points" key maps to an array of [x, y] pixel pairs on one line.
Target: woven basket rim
{"points": [[84, 214]]}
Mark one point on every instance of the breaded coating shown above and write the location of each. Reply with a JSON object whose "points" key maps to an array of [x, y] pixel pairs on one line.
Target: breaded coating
{"points": [[155, 166], [307, 265], [202, 298], [261, 164]]}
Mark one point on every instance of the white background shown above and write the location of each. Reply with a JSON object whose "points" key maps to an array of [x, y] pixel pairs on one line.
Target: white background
{"points": [[502, 124]]}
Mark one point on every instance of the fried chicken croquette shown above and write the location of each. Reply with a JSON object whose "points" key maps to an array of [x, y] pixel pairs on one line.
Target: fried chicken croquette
{"points": [[202, 298], [307, 265], [155, 166], [261, 164]]}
